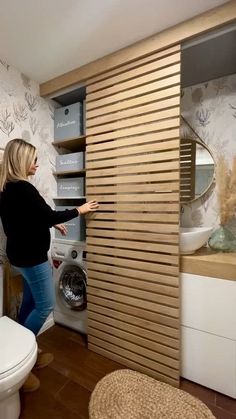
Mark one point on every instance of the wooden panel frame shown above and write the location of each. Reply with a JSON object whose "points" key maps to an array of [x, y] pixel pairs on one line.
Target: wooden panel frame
{"points": [[132, 169]]}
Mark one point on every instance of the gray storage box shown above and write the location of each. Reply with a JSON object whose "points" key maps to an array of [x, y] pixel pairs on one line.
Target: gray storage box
{"points": [[75, 228], [70, 162], [68, 122], [69, 187]]}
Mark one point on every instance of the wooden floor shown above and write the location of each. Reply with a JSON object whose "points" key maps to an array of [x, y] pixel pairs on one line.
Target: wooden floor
{"points": [[67, 383]]}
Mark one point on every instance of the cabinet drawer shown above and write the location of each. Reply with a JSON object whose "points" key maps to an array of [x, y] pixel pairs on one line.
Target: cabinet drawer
{"points": [[209, 360], [209, 304]]}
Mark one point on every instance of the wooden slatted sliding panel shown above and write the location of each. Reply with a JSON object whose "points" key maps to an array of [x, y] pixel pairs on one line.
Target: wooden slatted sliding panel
{"points": [[187, 169], [132, 169]]}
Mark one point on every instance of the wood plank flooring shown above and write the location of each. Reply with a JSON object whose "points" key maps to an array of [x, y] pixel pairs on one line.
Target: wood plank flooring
{"points": [[67, 383]]}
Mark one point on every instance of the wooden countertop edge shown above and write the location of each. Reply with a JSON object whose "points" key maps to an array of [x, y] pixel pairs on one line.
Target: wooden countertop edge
{"points": [[208, 263]]}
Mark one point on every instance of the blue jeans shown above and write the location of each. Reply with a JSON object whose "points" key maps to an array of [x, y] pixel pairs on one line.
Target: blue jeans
{"points": [[38, 296]]}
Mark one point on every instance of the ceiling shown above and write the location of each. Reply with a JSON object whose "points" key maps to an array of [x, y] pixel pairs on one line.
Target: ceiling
{"points": [[47, 38]]}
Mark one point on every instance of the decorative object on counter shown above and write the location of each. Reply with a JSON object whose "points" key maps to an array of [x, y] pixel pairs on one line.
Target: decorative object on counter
{"points": [[127, 394], [222, 238]]}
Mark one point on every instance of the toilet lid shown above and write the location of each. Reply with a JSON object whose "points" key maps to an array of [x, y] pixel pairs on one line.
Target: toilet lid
{"points": [[17, 343]]}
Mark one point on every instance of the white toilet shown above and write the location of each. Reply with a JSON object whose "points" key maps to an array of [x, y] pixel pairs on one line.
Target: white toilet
{"points": [[18, 353]]}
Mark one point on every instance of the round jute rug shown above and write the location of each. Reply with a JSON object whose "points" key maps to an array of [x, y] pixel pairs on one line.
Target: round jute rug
{"points": [[126, 394]]}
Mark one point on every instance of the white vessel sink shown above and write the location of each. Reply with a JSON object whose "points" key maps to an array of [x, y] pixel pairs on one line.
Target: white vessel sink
{"points": [[192, 238]]}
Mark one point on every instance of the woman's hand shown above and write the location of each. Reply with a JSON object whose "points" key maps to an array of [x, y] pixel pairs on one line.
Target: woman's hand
{"points": [[62, 228], [90, 206]]}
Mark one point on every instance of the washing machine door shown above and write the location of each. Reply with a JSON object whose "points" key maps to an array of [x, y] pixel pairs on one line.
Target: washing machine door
{"points": [[72, 287]]}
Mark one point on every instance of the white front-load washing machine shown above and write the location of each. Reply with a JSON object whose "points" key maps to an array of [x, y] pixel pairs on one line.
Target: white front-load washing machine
{"points": [[70, 278]]}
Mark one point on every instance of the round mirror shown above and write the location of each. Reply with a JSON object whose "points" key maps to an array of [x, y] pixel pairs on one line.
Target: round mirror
{"points": [[197, 169]]}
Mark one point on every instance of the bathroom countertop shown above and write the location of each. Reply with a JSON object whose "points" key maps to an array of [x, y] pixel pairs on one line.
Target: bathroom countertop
{"points": [[206, 262]]}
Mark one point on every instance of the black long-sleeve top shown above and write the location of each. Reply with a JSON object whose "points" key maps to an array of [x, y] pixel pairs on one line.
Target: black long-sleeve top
{"points": [[26, 220]]}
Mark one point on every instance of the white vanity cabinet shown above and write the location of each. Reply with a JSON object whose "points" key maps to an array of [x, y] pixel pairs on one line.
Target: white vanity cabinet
{"points": [[208, 332]]}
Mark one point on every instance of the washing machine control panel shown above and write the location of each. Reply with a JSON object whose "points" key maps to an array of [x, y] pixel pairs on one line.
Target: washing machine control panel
{"points": [[67, 251]]}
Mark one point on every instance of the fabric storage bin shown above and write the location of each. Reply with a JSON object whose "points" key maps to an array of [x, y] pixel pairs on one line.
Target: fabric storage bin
{"points": [[75, 228], [69, 187], [68, 122], [70, 162]]}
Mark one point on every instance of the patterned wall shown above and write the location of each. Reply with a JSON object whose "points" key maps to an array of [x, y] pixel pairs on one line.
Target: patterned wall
{"points": [[24, 114], [210, 108]]}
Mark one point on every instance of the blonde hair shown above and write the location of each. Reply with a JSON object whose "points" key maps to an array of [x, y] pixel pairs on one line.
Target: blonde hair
{"points": [[18, 156]]}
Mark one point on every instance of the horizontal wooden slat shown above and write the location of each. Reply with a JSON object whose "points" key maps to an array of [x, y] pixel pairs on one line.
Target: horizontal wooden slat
{"points": [[151, 330], [131, 244], [135, 352], [134, 254], [138, 120], [166, 325], [169, 207], [128, 71], [137, 283], [92, 82], [144, 347], [128, 103], [132, 292], [139, 168], [131, 112], [133, 334], [149, 237], [134, 149], [136, 217], [157, 276], [140, 90], [142, 79], [136, 265], [165, 124], [152, 199], [151, 187], [159, 136], [136, 302], [155, 228], [120, 180], [119, 161], [132, 364]]}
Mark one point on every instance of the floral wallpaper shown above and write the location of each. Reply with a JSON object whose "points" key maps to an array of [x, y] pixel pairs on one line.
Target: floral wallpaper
{"points": [[210, 109], [24, 114]]}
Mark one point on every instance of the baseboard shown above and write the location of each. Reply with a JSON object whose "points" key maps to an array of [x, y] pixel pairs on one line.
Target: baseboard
{"points": [[49, 323]]}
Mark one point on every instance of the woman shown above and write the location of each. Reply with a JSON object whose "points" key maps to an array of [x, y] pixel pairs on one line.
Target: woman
{"points": [[26, 220]]}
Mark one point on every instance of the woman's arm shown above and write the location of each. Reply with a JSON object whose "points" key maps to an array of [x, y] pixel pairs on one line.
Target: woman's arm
{"points": [[44, 212]]}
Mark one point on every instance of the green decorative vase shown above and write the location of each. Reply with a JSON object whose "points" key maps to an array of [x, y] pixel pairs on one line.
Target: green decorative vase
{"points": [[222, 240]]}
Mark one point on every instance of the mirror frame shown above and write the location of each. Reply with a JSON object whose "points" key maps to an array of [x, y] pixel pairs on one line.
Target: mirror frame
{"points": [[212, 183]]}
